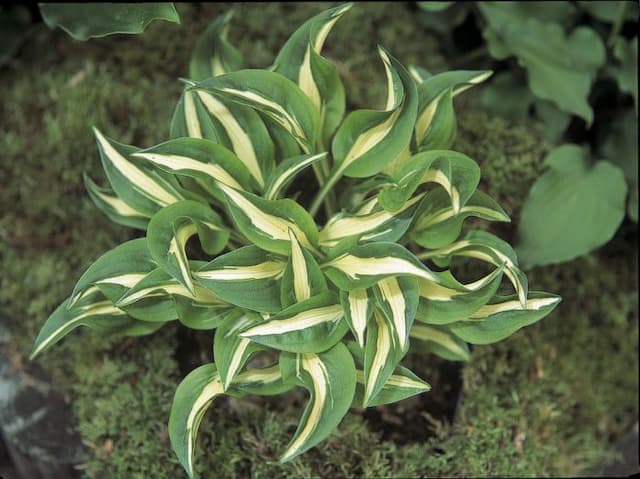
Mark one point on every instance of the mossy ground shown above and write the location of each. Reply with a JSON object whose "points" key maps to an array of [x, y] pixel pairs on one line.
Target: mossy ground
{"points": [[548, 401]]}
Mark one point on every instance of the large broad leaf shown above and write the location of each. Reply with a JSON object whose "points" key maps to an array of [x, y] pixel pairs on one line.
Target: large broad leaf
{"points": [[86, 20], [626, 52], [561, 68], [310, 326], [213, 55], [170, 229], [572, 209], [271, 94], [368, 141], [503, 317], [330, 378], [267, 222], [247, 277]]}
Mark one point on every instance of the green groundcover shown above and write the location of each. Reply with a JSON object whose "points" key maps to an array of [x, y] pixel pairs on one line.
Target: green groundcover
{"points": [[548, 401]]}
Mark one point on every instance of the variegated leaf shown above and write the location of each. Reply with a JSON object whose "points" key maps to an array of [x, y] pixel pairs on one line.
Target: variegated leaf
{"points": [[143, 190], [114, 207], [266, 223], [230, 350], [330, 378], [489, 248], [364, 265], [207, 162], [375, 225], [195, 315], [171, 227], [247, 277], [271, 94], [503, 316], [286, 172], [402, 384], [439, 340], [302, 276], [368, 141], [310, 326], [437, 224], [458, 174], [213, 54], [397, 299], [358, 308], [382, 354], [446, 300]]}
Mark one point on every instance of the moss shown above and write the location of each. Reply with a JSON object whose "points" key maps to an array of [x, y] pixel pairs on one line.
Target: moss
{"points": [[545, 402]]}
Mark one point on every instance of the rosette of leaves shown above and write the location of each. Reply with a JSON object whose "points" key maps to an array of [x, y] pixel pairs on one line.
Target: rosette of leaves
{"points": [[330, 299]]}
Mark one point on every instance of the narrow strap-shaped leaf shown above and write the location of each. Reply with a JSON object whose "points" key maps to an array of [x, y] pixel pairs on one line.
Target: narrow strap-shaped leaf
{"points": [[437, 225], [247, 277], [446, 300], [402, 384], [489, 248], [330, 378], [213, 54], [114, 207], [191, 118], [230, 351], [272, 95], [204, 160], [419, 74], [171, 227], [358, 308], [378, 225], [300, 61], [136, 186], [115, 271], [435, 123], [458, 174], [503, 317], [397, 298], [382, 354], [439, 340], [313, 325], [266, 223], [302, 276], [200, 316], [94, 311], [364, 265], [286, 172], [263, 381], [193, 397], [368, 141]]}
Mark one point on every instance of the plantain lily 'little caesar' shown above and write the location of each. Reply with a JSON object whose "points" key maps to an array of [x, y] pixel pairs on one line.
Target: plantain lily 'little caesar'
{"points": [[336, 306]]}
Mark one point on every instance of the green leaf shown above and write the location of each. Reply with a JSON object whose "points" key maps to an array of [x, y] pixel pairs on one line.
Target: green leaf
{"points": [[488, 248], [434, 6], [299, 60], [503, 317], [402, 384], [207, 162], [554, 121], [140, 188], [93, 20], [626, 74], [368, 141], [440, 341], [377, 225], [266, 223], [571, 209], [358, 308], [247, 277], [310, 326], [271, 94], [171, 227], [191, 119], [458, 174], [230, 350], [330, 378], [364, 265], [507, 95], [397, 299], [561, 68], [286, 172], [446, 300], [302, 276], [213, 55], [438, 225], [193, 397], [609, 11], [116, 209]]}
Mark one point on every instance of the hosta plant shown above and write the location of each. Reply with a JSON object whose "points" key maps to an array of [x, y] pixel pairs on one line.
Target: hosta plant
{"points": [[324, 238]]}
